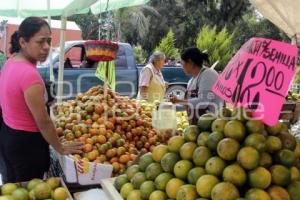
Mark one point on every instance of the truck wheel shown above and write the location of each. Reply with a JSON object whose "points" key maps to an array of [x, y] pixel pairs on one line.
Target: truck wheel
{"points": [[176, 90]]}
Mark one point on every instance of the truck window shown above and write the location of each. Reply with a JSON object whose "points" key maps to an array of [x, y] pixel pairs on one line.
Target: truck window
{"points": [[121, 60], [74, 57]]}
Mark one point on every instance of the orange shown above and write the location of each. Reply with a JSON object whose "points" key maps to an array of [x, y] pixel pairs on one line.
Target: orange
{"points": [[194, 174], [92, 155], [248, 158], [187, 192], [257, 194], [173, 186], [224, 190], [116, 166], [215, 166], [175, 143], [201, 155], [147, 188], [168, 161], [158, 195], [162, 180], [135, 195], [159, 151], [182, 168], [259, 178], [8, 188], [60, 194], [280, 175], [101, 139], [294, 190], [278, 193], [138, 179], [218, 125], [205, 184], [295, 174], [120, 181], [187, 150], [228, 148], [124, 158], [235, 129], [153, 170], [87, 148], [258, 141], [273, 144], [235, 174]]}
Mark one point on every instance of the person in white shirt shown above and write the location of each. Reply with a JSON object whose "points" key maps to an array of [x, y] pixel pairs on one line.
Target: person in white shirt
{"points": [[152, 85]]}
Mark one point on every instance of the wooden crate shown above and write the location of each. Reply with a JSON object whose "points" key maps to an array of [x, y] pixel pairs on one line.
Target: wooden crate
{"points": [[289, 105], [290, 112], [109, 189]]}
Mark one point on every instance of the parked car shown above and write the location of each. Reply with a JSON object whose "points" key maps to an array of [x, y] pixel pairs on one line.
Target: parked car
{"points": [[78, 79]]}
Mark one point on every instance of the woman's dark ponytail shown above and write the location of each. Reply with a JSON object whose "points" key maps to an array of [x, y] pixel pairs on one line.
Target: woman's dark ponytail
{"points": [[205, 57], [195, 55], [14, 41]]}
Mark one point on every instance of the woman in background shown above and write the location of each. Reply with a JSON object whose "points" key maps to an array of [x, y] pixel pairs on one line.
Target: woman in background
{"points": [[199, 98], [152, 85]]}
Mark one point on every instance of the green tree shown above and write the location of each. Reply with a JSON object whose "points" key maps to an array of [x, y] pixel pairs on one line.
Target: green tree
{"points": [[88, 24], [217, 44], [186, 17], [167, 46], [252, 26], [132, 23], [139, 54], [217, 13]]}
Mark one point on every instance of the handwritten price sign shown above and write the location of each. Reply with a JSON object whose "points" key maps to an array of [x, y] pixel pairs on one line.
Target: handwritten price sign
{"points": [[258, 77]]}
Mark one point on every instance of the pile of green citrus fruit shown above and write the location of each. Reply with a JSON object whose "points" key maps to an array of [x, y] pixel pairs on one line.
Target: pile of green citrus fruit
{"points": [[35, 189], [222, 158]]}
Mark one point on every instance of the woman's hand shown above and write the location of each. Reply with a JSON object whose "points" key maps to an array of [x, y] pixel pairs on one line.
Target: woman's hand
{"points": [[68, 147], [173, 99]]}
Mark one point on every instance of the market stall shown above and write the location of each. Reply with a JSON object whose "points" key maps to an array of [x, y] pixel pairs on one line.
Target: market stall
{"points": [[285, 15], [244, 152]]}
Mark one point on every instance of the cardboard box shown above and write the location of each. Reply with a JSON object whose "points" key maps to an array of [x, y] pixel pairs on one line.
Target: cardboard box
{"points": [[109, 189], [83, 173]]}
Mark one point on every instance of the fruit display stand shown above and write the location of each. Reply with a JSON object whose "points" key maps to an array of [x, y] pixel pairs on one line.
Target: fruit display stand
{"points": [[108, 187]]}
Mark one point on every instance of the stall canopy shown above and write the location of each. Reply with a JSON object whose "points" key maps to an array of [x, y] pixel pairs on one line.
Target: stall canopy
{"points": [[26, 8], [107, 5], [283, 13]]}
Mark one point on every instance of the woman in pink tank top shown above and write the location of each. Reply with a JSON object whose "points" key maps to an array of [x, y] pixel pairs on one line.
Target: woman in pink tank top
{"points": [[26, 130]]}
